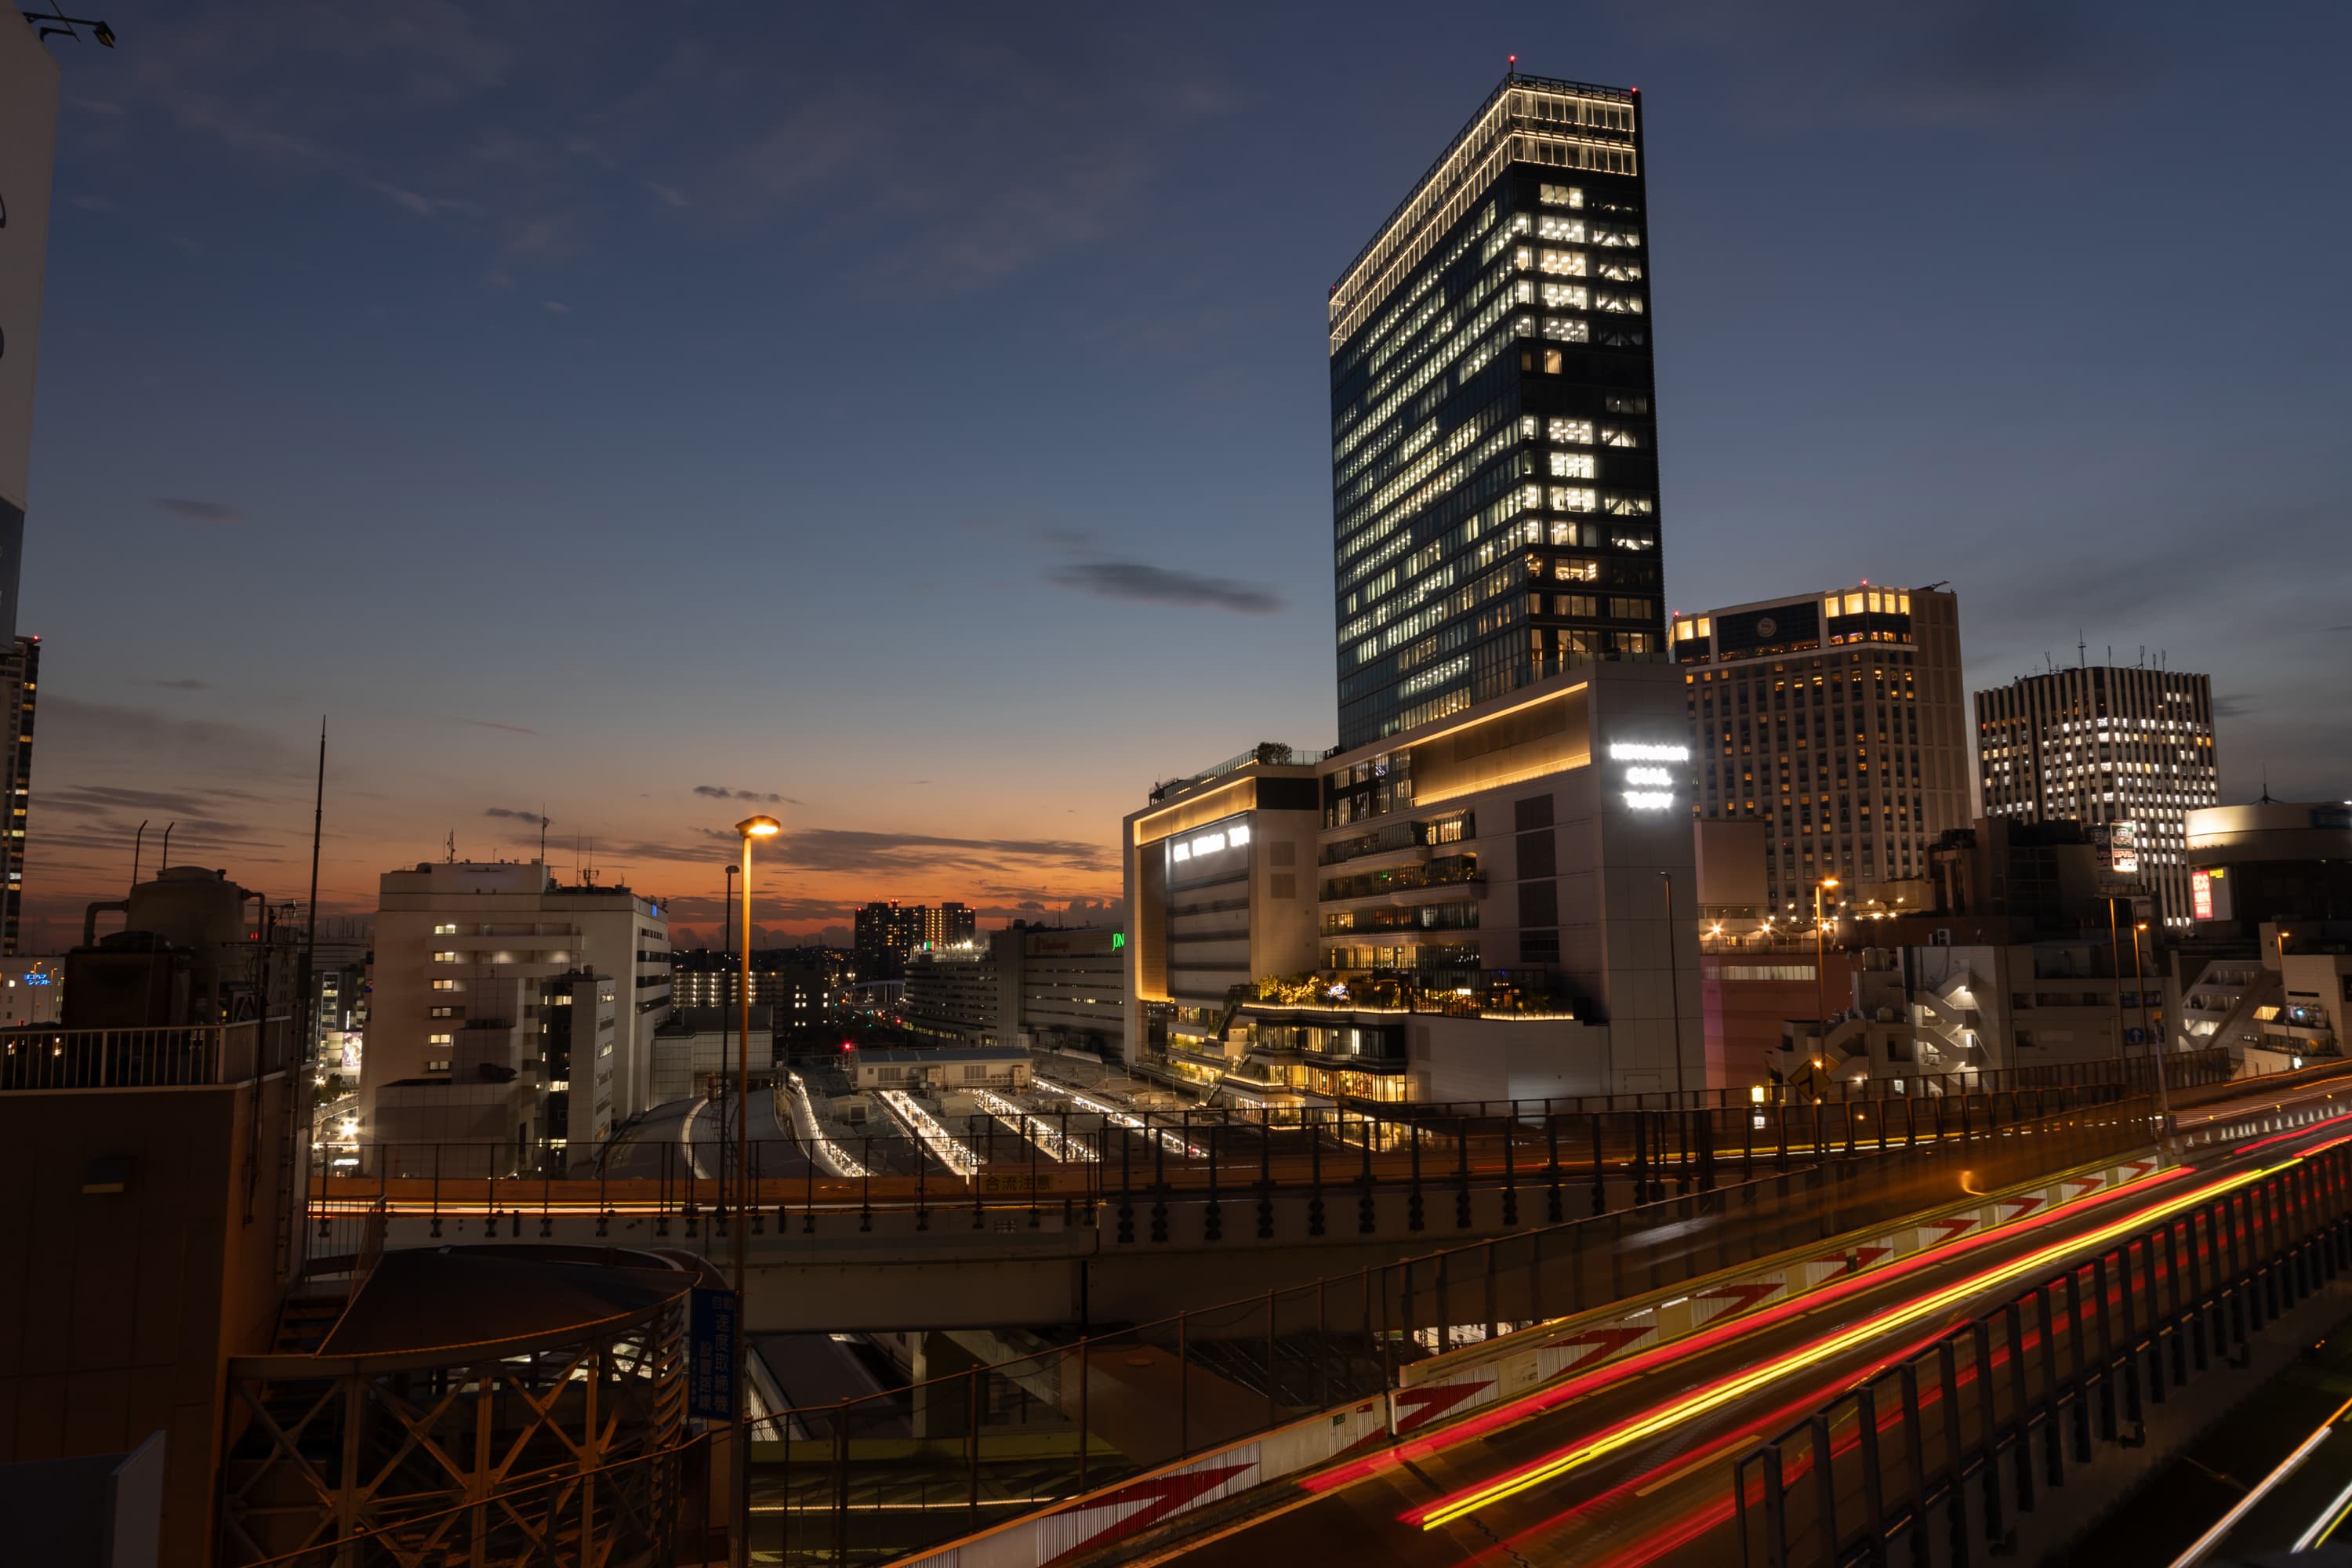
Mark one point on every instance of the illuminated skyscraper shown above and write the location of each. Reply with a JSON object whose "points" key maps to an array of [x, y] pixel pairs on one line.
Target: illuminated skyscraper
{"points": [[1493, 464], [2129, 750]]}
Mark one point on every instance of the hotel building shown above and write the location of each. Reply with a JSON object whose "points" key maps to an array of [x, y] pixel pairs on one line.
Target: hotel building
{"points": [[2128, 751], [1834, 719], [1494, 451]]}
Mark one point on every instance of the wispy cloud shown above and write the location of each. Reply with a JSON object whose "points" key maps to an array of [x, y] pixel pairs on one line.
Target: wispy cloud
{"points": [[721, 792], [905, 854], [186, 684], [1160, 585], [493, 724], [555, 307], [534, 818], [191, 510]]}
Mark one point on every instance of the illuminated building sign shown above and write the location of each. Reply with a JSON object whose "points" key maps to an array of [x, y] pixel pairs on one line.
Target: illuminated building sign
{"points": [[1233, 837], [1648, 773], [2123, 849], [2209, 894]]}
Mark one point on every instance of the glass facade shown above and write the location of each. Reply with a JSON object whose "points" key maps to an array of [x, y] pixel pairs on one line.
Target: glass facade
{"points": [[1494, 454]]}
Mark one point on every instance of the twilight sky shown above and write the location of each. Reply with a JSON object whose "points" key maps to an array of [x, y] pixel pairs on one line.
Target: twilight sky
{"points": [[919, 417]]}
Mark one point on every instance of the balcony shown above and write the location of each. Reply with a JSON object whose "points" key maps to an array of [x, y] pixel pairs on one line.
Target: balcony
{"points": [[198, 1057]]}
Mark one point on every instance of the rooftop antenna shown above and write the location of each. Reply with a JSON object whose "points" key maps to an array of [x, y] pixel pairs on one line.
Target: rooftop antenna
{"points": [[542, 832], [137, 842], [449, 848], [164, 862], [2081, 650]]}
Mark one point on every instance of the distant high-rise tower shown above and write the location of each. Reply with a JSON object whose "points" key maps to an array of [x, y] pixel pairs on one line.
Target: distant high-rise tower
{"points": [[2128, 750], [20, 674], [1837, 720], [1493, 459]]}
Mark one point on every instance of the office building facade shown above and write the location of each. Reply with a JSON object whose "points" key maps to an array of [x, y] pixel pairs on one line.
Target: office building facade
{"points": [[1836, 720], [458, 1017], [1475, 909], [2128, 752], [1494, 453]]}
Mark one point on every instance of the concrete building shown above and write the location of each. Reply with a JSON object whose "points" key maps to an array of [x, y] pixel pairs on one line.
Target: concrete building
{"points": [[942, 1071], [2279, 862], [1471, 909], [2267, 968], [697, 1044], [2129, 751], [951, 997], [882, 936], [150, 1143], [471, 961], [1066, 989], [1836, 720], [796, 986]]}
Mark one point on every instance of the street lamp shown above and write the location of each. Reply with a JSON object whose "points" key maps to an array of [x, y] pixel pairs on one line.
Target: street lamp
{"points": [[1673, 983], [1820, 983], [2163, 1102], [739, 1550]]}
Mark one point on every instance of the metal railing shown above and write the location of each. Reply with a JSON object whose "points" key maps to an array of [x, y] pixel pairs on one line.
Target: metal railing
{"points": [[1943, 1452], [874, 1479], [2183, 1070], [189, 1057], [1138, 1166]]}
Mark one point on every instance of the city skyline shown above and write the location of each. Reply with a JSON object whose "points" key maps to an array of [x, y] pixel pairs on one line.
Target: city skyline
{"points": [[520, 551]]}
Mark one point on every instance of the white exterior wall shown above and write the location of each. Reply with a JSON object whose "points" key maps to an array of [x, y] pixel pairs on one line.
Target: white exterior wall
{"points": [[535, 932]]}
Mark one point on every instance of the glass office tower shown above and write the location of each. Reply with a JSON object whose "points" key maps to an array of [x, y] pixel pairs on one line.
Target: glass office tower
{"points": [[1493, 459]]}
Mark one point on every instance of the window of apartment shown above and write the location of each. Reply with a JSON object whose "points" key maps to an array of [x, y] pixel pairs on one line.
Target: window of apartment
{"points": [[1560, 197], [1618, 436], [1562, 263], [1567, 296], [440, 1063], [1566, 330], [1574, 466], [437, 1040], [444, 958], [445, 985], [1572, 497], [443, 1013], [445, 930], [1576, 569], [1626, 403], [1568, 432]]}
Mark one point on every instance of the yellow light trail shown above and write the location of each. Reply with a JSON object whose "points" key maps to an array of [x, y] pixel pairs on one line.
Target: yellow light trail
{"points": [[1446, 1510]]}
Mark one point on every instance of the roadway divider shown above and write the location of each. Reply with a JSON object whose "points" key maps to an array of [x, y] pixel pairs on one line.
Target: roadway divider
{"points": [[1132, 1507]]}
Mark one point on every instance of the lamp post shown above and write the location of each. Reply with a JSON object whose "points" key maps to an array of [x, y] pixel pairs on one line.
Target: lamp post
{"points": [[1821, 978], [740, 1537], [2115, 962], [2163, 1102], [1674, 981]]}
